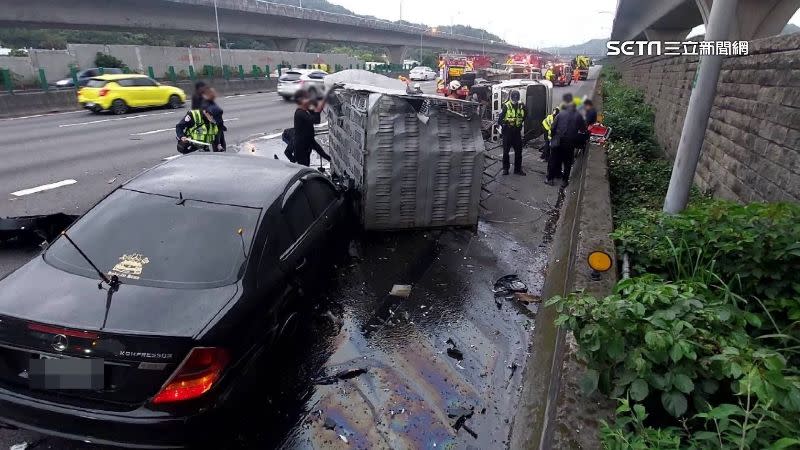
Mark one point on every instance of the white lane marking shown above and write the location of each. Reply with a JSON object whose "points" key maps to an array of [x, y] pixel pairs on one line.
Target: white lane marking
{"points": [[269, 136], [170, 158], [145, 133], [138, 116], [44, 187], [41, 115], [235, 96]]}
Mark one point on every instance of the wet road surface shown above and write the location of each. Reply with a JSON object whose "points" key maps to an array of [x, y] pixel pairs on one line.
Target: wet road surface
{"points": [[401, 387]]}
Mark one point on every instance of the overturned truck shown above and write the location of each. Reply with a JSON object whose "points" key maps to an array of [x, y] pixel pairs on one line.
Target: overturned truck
{"points": [[415, 159]]}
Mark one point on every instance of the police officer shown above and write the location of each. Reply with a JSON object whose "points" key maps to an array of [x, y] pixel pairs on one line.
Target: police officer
{"points": [[511, 119], [549, 75], [198, 125], [547, 124]]}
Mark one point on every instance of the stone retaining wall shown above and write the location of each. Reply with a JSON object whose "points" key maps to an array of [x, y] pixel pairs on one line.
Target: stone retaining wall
{"points": [[752, 146]]}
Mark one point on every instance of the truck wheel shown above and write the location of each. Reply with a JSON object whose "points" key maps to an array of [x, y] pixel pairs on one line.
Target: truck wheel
{"points": [[119, 107]]}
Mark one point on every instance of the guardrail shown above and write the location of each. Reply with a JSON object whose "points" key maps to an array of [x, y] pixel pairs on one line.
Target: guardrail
{"points": [[182, 73]]}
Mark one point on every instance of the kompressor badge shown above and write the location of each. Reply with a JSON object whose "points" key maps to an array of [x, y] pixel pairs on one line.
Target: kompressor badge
{"points": [[130, 266]]}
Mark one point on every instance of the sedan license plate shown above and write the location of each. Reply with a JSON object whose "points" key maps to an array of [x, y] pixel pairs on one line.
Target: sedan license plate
{"points": [[89, 105], [47, 372]]}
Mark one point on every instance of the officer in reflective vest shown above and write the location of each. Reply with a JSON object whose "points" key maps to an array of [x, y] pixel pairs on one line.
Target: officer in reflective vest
{"points": [[511, 119], [547, 124], [198, 125]]}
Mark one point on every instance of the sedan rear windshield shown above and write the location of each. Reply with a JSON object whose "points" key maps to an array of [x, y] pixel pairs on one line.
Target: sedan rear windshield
{"points": [[290, 76], [155, 240], [94, 83]]}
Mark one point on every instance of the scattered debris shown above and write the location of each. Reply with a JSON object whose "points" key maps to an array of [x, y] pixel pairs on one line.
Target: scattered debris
{"points": [[329, 424], [509, 284], [513, 366], [352, 250], [461, 414], [343, 375], [524, 297], [401, 290], [453, 351], [111, 181]]}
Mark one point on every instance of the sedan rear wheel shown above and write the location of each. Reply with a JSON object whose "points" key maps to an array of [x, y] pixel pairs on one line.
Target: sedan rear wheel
{"points": [[174, 102], [119, 107]]}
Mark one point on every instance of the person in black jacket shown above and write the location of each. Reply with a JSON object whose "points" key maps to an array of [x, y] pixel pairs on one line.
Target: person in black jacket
{"points": [[197, 97], [209, 95], [306, 116], [567, 129]]}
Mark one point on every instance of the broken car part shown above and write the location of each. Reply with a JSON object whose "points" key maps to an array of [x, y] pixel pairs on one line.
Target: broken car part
{"points": [[42, 227]]}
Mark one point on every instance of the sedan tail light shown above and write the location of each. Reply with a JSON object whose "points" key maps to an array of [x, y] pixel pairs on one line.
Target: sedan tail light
{"points": [[103, 92], [195, 376]]}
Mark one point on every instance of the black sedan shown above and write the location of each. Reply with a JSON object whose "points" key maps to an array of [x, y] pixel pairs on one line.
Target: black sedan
{"points": [[141, 321]]}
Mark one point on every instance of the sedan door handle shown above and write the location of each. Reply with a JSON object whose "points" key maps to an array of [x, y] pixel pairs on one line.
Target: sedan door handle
{"points": [[301, 264]]}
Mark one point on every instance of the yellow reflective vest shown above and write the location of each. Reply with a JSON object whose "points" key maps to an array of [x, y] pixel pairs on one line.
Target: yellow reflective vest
{"points": [[515, 115], [200, 130], [547, 124]]}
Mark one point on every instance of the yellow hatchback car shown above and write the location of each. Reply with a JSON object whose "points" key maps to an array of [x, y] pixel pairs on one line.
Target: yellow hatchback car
{"points": [[120, 92]]}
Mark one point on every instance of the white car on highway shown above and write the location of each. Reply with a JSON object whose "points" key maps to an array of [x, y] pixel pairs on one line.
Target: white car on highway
{"points": [[422, 73], [294, 80]]}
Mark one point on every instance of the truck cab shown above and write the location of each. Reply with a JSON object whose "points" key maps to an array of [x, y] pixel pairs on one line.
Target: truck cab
{"points": [[537, 95]]}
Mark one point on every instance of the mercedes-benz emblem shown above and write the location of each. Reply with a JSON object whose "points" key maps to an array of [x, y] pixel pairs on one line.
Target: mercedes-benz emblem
{"points": [[59, 343]]}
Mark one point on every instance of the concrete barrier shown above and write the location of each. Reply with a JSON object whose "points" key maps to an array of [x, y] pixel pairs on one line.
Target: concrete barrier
{"points": [[28, 103]]}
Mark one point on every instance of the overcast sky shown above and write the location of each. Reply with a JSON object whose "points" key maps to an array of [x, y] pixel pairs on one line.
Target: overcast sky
{"points": [[530, 23]]}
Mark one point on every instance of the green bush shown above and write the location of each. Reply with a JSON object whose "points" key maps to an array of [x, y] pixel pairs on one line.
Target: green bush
{"points": [[707, 332], [638, 179], [626, 112], [105, 60], [754, 247]]}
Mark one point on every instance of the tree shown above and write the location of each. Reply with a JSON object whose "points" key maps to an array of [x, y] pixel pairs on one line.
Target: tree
{"points": [[18, 52], [104, 60]]}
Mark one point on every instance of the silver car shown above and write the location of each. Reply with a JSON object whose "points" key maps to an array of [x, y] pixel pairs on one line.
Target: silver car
{"points": [[294, 80], [422, 73]]}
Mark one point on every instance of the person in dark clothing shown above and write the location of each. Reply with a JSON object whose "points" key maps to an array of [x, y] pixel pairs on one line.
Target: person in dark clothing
{"points": [[288, 138], [591, 113], [209, 95], [197, 97], [511, 119], [567, 129], [306, 116]]}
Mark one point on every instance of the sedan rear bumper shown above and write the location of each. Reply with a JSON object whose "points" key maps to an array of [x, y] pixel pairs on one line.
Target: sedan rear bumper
{"points": [[140, 428]]}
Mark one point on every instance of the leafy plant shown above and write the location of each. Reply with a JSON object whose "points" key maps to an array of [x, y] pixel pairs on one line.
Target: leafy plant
{"points": [[105, 60]]}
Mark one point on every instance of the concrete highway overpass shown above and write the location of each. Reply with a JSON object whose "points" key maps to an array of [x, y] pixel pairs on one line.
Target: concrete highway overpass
{"points": [[290, 27], [671, 20]]}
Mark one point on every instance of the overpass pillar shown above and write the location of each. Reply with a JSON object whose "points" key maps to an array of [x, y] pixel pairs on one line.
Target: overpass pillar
{"points": [[756, 18], [397, 53], [291, 45], [721, 20]]}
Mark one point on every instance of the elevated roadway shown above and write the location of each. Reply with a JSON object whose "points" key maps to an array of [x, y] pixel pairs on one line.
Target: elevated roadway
{"points": [[290, 27]]}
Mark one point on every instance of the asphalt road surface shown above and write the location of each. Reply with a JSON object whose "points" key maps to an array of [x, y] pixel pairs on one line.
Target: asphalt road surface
{"points": [[85, 156]]}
